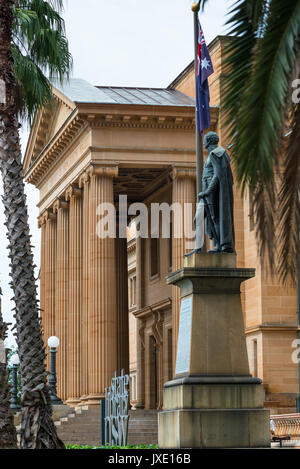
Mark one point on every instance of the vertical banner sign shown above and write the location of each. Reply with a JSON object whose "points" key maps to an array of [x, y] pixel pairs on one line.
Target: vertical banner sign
{"points": [[116, 411]]}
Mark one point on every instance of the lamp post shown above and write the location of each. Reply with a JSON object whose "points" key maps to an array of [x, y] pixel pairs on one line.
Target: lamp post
{"points": [[53, 343], [15, 361]]}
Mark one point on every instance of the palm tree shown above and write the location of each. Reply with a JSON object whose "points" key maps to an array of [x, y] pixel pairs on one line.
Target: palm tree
{"points": [[263, 117], [8, 435], [32, 43]]}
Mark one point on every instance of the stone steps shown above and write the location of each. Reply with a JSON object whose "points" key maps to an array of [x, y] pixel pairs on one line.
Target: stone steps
{"points": [[83, 425]]}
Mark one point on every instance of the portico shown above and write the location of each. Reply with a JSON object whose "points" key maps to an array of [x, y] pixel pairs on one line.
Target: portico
{"points": [[95, 144]]}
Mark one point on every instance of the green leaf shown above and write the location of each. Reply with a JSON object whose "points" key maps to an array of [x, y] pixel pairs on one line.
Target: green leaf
{"points": [[40, 50]]}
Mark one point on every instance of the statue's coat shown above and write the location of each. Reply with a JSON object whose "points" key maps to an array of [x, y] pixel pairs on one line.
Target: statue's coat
{"points": [[224, 196]]}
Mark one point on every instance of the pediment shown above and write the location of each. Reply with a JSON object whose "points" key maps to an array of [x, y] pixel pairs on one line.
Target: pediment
{"points": [[46, 124]]}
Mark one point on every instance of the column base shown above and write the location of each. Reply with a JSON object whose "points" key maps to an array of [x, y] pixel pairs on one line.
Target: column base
{"points": [[214, 416], [73, 402], [94, 399]]}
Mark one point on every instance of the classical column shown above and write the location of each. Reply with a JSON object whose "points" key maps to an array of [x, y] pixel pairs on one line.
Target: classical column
{"points": [[122, 305], [183, 192], [102, 324], [73, 195], [48, 317], [61, 208], [42, 225], [84, 184], [140, 346]]}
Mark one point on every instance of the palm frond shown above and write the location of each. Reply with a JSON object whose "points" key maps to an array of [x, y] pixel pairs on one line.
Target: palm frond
{"points": [[264, 98], [246, 21], [264, 216], [289, 203], [35, 87], [202, 4], [42, 48], [259, 65]]}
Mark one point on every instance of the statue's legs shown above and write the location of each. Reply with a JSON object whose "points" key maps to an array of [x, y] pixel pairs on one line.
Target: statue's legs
{"points": [[215, 229]]}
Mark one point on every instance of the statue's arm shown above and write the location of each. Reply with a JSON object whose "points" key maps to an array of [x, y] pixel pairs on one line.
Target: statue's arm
{"points": [[213, 186]]}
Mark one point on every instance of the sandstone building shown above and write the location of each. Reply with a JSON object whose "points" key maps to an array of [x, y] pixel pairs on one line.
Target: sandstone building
{"points": [[107, 299]]}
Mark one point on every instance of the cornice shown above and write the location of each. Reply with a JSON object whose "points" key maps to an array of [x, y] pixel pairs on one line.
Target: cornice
{"points": [[177, 118], [272, 328], [146, 122], [157, 307], [139, 150], [54, 148]]}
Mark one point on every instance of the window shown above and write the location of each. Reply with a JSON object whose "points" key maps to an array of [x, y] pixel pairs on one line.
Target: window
{"points": [[154, 256], [132, 291]]}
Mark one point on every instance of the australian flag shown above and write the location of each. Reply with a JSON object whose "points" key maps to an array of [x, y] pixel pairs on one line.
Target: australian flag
{"points": [[204, 70]]}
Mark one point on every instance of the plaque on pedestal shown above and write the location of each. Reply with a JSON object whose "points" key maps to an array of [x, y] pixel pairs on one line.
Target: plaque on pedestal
{"points": [[184, 337]]}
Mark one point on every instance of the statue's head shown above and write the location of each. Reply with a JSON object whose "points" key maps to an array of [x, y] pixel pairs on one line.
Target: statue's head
{"points": [[211, 138]]}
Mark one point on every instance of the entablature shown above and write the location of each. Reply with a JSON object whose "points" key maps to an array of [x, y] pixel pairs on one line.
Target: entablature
{"points": [[113, 117]]}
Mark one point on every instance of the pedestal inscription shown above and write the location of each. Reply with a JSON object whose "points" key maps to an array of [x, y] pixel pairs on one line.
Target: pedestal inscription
{"points": [[184, 337]]}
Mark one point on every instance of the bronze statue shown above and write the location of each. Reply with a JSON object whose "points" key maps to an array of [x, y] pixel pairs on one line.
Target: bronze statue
{"points": [[217, 196]]}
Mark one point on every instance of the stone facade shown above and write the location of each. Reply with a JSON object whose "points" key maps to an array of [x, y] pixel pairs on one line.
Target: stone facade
{"points": [[107, 299]]}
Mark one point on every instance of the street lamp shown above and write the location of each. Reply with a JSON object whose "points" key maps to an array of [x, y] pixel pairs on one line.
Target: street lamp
{"points": [[15, 361], [53, 343]]}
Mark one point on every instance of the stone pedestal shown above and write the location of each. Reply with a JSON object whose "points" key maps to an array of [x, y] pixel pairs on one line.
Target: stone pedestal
{"points": [[213, 402]]}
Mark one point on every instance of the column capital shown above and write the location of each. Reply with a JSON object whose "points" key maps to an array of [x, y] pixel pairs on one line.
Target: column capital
{"points": [[60, 204], [83, 179], [73, 191], [42, 220], [183, 172], [103, 170], [49, 215]]}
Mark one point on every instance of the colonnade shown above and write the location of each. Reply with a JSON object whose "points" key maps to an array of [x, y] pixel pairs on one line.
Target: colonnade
{"points": [[84, 289], [83, 295]]}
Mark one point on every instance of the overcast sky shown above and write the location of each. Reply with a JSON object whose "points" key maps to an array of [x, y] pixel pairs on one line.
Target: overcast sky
{"points": [[120, 43]]}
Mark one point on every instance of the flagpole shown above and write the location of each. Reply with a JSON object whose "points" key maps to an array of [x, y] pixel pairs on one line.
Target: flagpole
{"points": [[199, 143]]}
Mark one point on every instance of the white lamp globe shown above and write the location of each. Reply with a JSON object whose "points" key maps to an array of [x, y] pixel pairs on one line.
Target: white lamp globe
{"points": [[53, 342], [15, 359]]}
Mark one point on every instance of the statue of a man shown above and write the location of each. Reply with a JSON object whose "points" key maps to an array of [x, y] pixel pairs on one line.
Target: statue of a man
{"points": [[217, 195]]}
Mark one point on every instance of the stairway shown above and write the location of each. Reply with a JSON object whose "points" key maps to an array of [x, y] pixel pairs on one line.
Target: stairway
{"points": [[82, 427], [143, 427]]}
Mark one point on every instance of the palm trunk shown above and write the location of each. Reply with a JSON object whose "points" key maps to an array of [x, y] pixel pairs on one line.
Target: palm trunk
{"points": [[8, 434], [37, 428]]}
